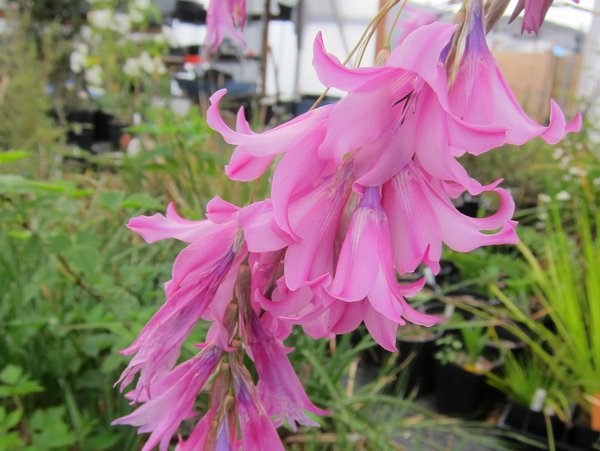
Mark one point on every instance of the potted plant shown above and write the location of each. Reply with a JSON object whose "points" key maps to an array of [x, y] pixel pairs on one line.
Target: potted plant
{"points": [[461, 387], [566, 279], [538, 405]]}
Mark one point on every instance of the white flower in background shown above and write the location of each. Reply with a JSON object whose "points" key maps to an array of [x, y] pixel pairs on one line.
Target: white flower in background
{"points": [[159, 66], [596, 181], [121, 23], [558, 153], [543, 198], [563, 195], [86, 33], [146, 62], [142, 5], [567, 177], [136, 15], [565, 162], [93, 76], [577, 171], [78, 58], [100, 18], [131, 68]]}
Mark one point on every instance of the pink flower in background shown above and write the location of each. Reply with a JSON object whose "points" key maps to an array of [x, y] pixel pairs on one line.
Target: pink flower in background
{"points": [[535, 12], [479, 73], [225, 18], [416, 18]]}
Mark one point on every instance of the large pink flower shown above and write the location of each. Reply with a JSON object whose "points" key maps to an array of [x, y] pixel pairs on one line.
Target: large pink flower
{"points": [[478, 74], [225, 18]]}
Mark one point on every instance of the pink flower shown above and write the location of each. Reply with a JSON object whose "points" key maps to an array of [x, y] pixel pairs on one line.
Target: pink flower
{"points": [[173, 399], [535, 12], [256, 429], [279, 389], [416, 18], [215, 250], [479, 74], [422, 216], [225, 18], [365, 267]]}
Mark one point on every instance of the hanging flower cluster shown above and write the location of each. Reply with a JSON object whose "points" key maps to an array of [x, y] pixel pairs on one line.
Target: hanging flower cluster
{"points": [[362, 192], [225, 18]]}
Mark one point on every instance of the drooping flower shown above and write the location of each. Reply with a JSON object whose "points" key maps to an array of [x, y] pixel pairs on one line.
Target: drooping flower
{"points": [[478, 73], [535, 12], [214, 252], [225, 18], [279, 389], [256, 429], [173, 399]]}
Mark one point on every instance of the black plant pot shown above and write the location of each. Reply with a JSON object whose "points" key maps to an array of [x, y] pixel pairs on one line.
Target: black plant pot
{"points": [[116, 133], [82, 136], [583, 438], [188, 11], [417, 354], [449, 273], [463, 393], [102, 122], [521, 419]]}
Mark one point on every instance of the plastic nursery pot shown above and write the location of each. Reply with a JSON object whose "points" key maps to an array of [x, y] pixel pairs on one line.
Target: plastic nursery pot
{"points": [[463, 392], [521, 419], [449, 273], [81, 135], [102, 122], [189, 11], [417, 347], [118, 135], [583, 438]]}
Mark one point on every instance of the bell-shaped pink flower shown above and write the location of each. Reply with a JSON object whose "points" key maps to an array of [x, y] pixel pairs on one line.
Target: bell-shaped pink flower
{"points": [[198, 273], [256, 428], [279, 389], [173, 399], [365, 267], [480, 95], [535, 12], [225, 18], [422, 217]]}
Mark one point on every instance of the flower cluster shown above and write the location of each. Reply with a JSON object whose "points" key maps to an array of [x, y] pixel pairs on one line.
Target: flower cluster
{"points": [[225, 18], [363, 191]]}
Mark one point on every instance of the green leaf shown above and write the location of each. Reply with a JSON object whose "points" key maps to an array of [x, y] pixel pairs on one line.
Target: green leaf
{"points": [[12, 155], [111, 200], [83, 258], [11, 374], [22, 235], [141, 200], [49, 431]]}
